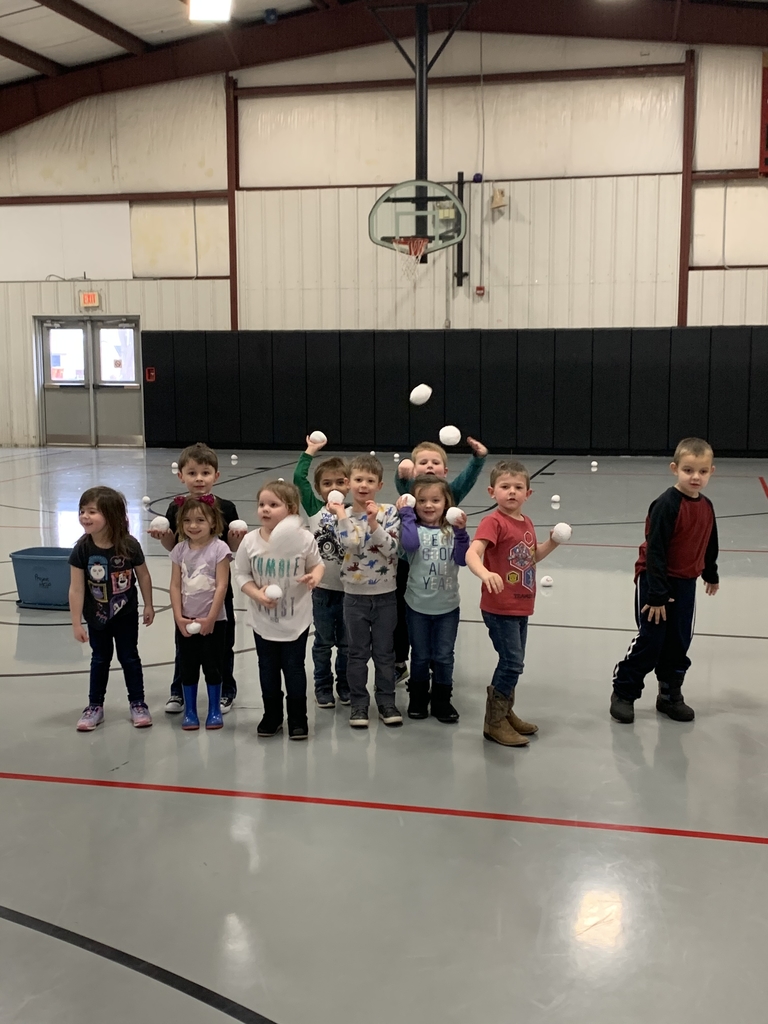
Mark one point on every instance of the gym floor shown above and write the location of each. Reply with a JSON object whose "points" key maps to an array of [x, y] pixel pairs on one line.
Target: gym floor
{"points": [[607, 873]]}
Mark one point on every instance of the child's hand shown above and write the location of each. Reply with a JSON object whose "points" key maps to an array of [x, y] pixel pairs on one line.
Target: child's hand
{"points": [[206, 626], [405, 469], [313, 447], [236, 535], [478, 448], [711, 589], [149, 615], [372, 510], [158, 534], [403, 502], [493, 583], [656, 613], [181, 622], [461, 522], [308, 580], [336, 510], [262, 598], [80, 633]]}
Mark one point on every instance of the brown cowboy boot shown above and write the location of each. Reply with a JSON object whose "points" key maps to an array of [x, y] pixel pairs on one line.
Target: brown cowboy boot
{"points": [[496, 726], [524, 728]]}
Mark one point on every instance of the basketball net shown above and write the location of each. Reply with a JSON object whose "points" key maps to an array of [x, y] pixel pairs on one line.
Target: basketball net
{"points": [[411, 248]]}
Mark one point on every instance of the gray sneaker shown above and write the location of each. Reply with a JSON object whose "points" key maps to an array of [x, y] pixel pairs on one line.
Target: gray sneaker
{"points": [[174, 705], [622, 710], [90, 718], [389, 715], [358, 718]]}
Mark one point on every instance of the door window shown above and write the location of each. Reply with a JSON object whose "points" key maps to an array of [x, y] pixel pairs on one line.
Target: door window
{"points": [[66, 355], [117, 356]]}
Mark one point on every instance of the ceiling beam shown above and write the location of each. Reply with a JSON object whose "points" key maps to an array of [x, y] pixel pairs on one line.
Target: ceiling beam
{"points": [[29, 59], [95, 23], [313, 32]]}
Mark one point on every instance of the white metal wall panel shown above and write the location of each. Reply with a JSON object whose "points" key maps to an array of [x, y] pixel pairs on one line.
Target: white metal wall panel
{"points": [[64, 240], [728, 95], [501, 53], [163, 240], [212, 234], [631, 126], [162, 305], [164, 138], [730, 224], [730, 297], [597, 252]]}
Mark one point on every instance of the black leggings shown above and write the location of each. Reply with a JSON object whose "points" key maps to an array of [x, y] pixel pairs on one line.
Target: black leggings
{"points": [[206, 652]]}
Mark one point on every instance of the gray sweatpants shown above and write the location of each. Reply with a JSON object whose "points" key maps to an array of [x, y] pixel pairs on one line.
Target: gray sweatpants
{"points": [[370, 620]]}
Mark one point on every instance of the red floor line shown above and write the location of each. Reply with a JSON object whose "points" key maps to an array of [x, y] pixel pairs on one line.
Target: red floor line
{"points": [[765, 485], [373, 805]]}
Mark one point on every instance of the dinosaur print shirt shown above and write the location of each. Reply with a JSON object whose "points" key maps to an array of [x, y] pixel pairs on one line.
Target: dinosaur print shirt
{"points": [[370, 557]]}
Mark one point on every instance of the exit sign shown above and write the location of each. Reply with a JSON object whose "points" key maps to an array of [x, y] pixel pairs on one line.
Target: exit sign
{"points": [[90, 300]]}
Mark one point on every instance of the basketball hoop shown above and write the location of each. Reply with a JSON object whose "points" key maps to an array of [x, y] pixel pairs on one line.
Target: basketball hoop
{"points": [[411, 248]]}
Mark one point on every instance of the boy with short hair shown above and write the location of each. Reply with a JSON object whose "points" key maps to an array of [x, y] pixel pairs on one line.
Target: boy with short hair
{"points": [[328, 597], [428, 459], [680, 545], [504, 555], [199, 471], [369, 533]]}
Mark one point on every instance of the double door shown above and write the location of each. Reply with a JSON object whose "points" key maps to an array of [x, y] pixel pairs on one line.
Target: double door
{"points": [[91, 392]]}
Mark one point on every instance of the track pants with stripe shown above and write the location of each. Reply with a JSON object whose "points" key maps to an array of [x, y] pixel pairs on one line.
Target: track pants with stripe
{"points": [[660, 647]]}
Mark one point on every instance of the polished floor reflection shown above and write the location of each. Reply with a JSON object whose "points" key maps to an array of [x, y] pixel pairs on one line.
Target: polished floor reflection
{"points": [[329, 911]]}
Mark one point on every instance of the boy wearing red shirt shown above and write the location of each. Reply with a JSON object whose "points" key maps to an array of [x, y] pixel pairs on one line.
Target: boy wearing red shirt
{"points": [[503, 555]]}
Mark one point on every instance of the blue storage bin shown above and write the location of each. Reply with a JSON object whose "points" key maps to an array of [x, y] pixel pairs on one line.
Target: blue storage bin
{"points": [[42, 577]]}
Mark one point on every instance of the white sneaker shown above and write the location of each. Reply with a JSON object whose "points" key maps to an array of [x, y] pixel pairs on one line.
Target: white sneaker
{"points": [[174, 705]]}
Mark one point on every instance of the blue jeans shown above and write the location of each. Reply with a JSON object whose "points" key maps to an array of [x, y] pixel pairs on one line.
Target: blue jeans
{"points": [[508, 636], [328, 612], [120, 634], [280, 659], [433, 639]]}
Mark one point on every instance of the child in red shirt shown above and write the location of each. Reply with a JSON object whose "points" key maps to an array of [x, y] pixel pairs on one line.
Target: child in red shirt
{"points": [[503, 555]]}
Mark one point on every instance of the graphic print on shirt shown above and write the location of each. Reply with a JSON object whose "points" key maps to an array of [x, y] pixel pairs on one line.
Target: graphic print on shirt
{"points": [[197, 580], [327, 543], [437, 551], [266, 570], [523, 563]]}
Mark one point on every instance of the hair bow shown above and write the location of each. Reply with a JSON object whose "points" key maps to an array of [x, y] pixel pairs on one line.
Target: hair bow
{"points": [[207, 498]]}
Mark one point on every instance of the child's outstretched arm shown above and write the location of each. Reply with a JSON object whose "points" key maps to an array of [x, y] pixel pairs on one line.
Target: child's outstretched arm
{"points": [[145, 586], [404, 476], [468, 477], [460, 543], [492, 582], [545, 548], [409, 528], [76, 600], [309, 500]]}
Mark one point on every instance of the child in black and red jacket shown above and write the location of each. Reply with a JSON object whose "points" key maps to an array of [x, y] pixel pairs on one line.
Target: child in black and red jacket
{"points": [[680, 545]]}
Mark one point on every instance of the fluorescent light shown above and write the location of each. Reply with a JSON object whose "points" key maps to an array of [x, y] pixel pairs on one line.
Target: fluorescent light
{"points": [[210, 10]]}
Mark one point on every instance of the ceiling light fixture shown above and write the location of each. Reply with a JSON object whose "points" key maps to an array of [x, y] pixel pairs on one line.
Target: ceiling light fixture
{"points": [[210, 10]]}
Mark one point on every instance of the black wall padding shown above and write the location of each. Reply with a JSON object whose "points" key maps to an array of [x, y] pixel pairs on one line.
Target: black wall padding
{"points": [[611, 362], [602, 391], [649, 391], [160, 394], [191, 386], [688, 383], [573, 390]]}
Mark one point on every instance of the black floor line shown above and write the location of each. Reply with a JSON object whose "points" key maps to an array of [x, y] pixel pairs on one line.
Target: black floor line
{"points": [[188, 988], [86, 671], [492, 508], [614, 629]]}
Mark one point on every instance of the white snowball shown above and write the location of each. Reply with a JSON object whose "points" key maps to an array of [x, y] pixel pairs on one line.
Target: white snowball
{"points": [[318, 437], [555, 497], [335, 498], [453, 514], [593, 464], [546, 581], [562, 533], [396, 456], [555, 505], [421, 394], [409, 500], [146, 499], [193, 627], [373, 453], [161, 524], [174, 465], [450, 436], [273, 592], [238, 524], [594, 469], [233, 458]]}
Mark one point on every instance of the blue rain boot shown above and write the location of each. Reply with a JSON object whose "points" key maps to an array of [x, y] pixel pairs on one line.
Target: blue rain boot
{"points": [[214, 719], [190, 720]]}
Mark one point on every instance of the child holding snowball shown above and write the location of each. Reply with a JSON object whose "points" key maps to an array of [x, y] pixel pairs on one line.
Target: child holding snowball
{"points": [[434, 550], [283, 555]]}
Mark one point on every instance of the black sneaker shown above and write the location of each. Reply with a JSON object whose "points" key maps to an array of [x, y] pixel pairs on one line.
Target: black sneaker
{"points": [[343, 693], [358, 718], [174, 705], [401, 672], [324, 699], [677, 710], [622, 710], [389, 715], [226, 704]]}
